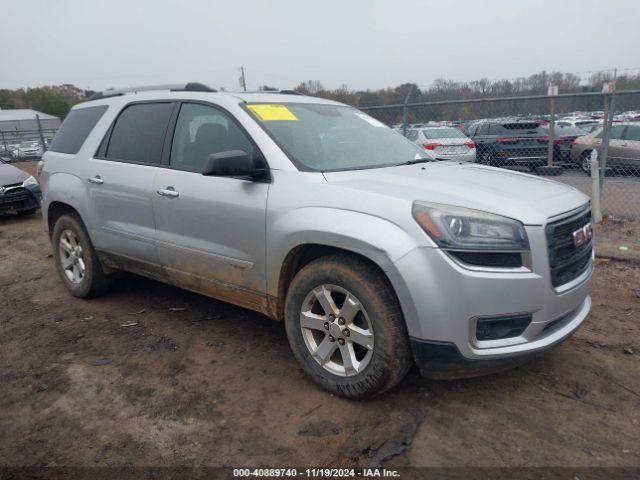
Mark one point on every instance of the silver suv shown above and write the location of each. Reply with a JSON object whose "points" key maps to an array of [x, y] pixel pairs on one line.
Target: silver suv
{"points": [[312, 212]]}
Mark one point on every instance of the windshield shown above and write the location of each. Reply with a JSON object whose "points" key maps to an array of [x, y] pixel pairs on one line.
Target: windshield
{"points": [[28, 144], [449, 132], [324, 138]]}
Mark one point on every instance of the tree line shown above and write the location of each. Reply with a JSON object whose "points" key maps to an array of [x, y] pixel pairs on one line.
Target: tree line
{"points": [[57, 100], [443, 90]]}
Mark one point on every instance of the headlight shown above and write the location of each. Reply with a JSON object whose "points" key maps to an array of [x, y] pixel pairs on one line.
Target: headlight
{"points": [[459, 228], [30, 182]]}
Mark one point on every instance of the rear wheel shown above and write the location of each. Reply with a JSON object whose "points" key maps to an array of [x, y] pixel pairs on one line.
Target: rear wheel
{"points": [[345, 327], [76, 259], [486, 158]]}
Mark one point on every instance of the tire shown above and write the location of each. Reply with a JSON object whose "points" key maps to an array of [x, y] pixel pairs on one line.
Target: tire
{"points": [[486, 158], [27, 212], [585, 162], [375, 369], [92, 282]]}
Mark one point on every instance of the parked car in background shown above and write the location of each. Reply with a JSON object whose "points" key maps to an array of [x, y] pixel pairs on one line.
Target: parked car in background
{"points": [[11, 151], [578, 122], [447, 143], [30, 149], [19, 191], [563, 139], [623, 153], [510, 143]]}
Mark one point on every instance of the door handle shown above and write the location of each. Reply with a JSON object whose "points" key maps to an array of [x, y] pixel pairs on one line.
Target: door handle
{"points": [[168, 192], [96, 180]]}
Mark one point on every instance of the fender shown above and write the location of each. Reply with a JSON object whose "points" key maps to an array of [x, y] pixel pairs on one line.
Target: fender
{"points": [[68, 189], [375, 238]]}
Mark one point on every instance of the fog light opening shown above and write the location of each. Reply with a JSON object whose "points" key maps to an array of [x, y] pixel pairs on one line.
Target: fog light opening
{"points": [[498, 328]]}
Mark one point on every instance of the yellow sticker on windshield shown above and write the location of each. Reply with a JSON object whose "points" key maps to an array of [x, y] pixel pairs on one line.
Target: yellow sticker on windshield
{"points": [[272, 112]]}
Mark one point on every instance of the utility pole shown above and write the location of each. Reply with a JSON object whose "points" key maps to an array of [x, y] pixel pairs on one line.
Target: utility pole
{"points": [[609, 90], [404, 110], [243, 82]]}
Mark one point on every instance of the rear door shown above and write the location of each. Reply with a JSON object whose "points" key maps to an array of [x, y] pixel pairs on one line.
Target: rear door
{"points": [[120, 182], [616, 153], [211, 230], [630, 148]]}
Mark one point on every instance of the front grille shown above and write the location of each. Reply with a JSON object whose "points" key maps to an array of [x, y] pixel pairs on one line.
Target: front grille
{"points": [[566, 260], [17, 199]]}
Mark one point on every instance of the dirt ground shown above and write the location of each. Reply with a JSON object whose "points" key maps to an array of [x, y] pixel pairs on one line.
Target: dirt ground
{"points": [[151, 375]]}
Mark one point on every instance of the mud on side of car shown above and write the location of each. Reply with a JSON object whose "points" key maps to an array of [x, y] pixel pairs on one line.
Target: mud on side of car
{"points": [[375, 255]]}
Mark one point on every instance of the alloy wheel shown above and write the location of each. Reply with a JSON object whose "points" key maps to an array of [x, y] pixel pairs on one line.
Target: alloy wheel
{"points": [[337, 330], [71, 256]]}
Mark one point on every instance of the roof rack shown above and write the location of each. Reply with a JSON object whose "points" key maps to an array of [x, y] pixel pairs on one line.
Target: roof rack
{"points": [[184, 87], [276, 92], [290, 92]]}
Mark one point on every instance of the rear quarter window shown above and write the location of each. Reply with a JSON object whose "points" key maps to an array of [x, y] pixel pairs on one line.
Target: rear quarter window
{"points": [[76, 128]]}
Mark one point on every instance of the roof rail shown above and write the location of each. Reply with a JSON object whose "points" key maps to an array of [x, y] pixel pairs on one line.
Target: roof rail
{"points": [[277, 92], [183, 87], [290, 92]]}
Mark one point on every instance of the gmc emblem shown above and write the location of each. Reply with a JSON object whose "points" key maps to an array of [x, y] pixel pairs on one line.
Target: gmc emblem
{"points": [[582, 235]]}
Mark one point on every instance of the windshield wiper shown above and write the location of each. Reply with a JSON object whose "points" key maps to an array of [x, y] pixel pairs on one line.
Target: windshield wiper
{"points": [[418, 160]]}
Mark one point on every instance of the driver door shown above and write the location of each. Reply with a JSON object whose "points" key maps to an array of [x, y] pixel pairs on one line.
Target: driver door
{"points": [[211, 230]]}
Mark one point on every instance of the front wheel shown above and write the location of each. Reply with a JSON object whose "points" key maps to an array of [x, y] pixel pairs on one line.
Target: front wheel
{"points": [[345, 327]]}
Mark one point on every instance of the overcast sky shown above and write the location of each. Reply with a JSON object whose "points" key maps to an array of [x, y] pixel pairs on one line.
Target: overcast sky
{"points": [[365, 44]]}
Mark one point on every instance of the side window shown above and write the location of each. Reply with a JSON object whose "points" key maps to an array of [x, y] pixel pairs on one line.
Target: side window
{"points": [[412, 135], [76, 128], [632, 133], [202, 130], [483, 129], [473, 130], [138, 133], [617, 131]]}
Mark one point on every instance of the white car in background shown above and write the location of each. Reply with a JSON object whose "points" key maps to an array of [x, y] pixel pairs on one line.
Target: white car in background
{"points": [[586, 124], [30, 149], [444, 142]]}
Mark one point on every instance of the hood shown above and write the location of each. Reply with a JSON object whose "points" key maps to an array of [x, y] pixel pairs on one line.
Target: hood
{"points": [[530, 199], [10, 175]]}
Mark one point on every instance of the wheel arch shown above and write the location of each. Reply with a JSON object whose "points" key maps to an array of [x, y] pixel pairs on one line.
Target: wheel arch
{"points": [[55, 210], [303, 254]]}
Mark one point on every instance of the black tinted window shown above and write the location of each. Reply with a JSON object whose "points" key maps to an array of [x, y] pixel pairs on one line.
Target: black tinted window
{"points": [[516, 129], [138, 133], [76, 128]]}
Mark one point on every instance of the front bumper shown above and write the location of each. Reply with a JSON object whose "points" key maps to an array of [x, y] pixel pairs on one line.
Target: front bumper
{"points": [[442, 301], [20, 199]]}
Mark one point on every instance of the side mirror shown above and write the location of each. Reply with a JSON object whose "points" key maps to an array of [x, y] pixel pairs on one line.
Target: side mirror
{"points": [[231, 163]]}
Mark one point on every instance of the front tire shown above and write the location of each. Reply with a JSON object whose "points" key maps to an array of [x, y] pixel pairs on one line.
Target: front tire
{"points": [[76, 260], [345, 327]]}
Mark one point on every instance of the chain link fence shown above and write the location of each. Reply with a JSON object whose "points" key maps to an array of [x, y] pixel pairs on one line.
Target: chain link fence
{"points": [[553, 135], [22, 145]]}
